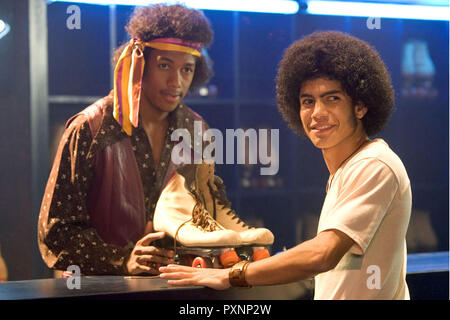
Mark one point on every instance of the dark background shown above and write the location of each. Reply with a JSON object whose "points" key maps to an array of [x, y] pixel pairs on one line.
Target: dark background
{"points": [[246, 52]]}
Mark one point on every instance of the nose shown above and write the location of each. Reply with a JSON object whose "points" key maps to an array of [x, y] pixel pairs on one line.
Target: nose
{"points": [[174, 80], [319, 111]]}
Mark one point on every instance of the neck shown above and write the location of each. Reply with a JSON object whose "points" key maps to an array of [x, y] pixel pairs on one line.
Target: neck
{"points": [[335, 156], [150, 115]]}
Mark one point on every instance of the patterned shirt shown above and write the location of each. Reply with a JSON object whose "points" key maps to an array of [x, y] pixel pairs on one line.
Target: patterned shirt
{"points": [[66, 236]]}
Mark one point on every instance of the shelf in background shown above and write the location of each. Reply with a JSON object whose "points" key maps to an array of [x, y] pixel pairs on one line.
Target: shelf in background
{"points": [[75, 99], [428, 262], [257, 192]]}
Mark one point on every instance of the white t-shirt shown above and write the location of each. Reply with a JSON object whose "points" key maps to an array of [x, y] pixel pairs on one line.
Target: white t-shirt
{"points": [[369, 199]]}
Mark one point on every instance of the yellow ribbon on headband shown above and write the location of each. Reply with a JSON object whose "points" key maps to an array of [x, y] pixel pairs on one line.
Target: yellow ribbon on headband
{"points": [[128, 76], [174, 47]]}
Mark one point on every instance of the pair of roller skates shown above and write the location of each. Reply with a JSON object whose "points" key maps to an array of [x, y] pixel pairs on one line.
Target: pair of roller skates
{"points": [[201, 227]]}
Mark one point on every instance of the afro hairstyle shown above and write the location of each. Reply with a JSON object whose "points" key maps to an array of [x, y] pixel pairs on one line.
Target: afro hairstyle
{"points": [[172, 21], [336, 56]]}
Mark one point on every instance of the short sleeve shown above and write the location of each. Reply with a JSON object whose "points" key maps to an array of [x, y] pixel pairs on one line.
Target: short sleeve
{"points": [[366, 190]]}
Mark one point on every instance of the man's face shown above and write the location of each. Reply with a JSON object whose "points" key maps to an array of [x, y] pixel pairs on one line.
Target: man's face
{"points": [[167, 78], [328, 114]]}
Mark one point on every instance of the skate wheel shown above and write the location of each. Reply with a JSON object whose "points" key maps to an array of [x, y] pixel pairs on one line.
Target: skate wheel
{"points": [[199, 262], [261, 254], [229, 258]]}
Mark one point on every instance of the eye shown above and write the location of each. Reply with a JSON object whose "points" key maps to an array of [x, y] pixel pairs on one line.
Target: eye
{"points": [[306, 102], [188, 69], [333, 98], [164, 66]]}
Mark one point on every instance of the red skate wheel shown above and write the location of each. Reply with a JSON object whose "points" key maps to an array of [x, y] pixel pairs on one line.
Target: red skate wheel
{"points": [[261, 254], [229, 258], [199, 262]]}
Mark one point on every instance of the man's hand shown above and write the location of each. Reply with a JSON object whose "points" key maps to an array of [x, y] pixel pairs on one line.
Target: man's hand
{"points": [[146, 258], [189, 276]]}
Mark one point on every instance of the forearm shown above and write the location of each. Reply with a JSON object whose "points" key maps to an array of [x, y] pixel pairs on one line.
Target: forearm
{"points": [[299, 263], [292, 265], [69, 244], [303, 261]]}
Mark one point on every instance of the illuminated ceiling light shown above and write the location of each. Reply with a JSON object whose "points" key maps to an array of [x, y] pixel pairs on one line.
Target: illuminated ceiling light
{"points": [[260, 6], [380, 10], [4, 28]]}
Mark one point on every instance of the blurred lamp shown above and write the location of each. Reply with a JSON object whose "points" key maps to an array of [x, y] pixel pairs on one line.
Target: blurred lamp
{"points": [[419, 10], [261, 6], [4, 28]]}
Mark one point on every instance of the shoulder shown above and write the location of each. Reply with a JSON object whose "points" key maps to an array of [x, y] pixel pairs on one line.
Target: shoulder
{"points": [[378, 157], [185, 110], [95, 125], [185, 117], [92, 115]]}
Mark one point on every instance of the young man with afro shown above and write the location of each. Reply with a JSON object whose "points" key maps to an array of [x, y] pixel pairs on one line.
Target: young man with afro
{"points": [[115, 156], [334, 89]]}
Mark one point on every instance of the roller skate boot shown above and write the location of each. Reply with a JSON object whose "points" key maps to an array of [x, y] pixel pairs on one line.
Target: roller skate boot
{"points": [[254, 239], [228, 218], [196, 238], [184, 219]]}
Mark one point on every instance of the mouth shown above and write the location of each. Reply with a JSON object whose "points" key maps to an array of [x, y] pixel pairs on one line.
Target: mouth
{"points": [[171, 96], [318, 129]]}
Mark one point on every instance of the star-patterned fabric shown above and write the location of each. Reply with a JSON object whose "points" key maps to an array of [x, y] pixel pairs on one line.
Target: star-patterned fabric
{"points": [[66, 236]]}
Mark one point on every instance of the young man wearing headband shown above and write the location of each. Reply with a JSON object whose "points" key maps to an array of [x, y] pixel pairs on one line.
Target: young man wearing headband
{"points": [[114, 156], [335, 89]]}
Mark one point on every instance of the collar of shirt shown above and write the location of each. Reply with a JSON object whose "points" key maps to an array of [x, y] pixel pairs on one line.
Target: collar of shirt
{"points": [[110, 131]]}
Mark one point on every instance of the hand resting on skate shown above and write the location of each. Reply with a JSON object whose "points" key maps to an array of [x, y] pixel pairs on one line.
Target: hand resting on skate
{"points": [[189, 276], [146, 258]]}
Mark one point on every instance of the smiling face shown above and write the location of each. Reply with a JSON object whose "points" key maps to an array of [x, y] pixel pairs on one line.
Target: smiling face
{"points": [[167, 78], [329, 116]]}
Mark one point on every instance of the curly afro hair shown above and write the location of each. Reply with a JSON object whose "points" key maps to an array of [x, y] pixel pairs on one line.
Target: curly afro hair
{"points": [[335, 56], [172, 21]]}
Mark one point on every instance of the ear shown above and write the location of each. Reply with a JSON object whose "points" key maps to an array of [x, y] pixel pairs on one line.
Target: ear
{"points": [[360, 110]]}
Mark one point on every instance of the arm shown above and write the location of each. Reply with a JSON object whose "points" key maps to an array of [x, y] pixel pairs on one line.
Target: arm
{"points": [[361, 206], [320, 254], [303, 261], [3, 268], [65, 234]]}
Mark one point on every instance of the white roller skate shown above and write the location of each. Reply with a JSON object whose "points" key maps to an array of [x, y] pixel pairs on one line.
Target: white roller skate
{"points": [[185, 211]]}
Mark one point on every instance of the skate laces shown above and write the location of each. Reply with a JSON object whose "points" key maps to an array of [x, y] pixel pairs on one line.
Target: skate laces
{"points": [[201, 219], [219, 193]]}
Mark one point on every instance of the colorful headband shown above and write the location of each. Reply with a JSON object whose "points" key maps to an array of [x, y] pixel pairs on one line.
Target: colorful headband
{"points": [[128, 76]]}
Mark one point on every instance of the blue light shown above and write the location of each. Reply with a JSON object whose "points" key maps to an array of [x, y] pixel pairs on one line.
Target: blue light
{"points": [[380, 10], [261, 6], [4, 28]]}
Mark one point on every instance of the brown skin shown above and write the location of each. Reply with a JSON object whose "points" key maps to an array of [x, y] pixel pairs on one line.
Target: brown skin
{"points": [[331, 121], [303, 261], [146, 258], [3, 269], [167, 78], [333, 124]]}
